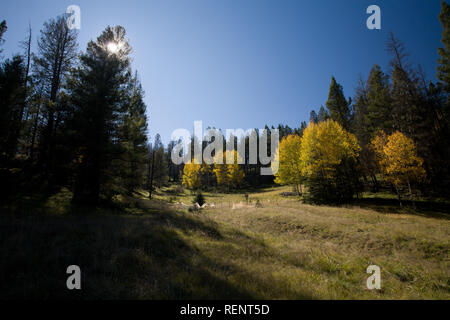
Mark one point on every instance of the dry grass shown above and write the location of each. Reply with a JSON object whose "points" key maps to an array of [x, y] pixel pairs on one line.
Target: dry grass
{"points": [[281, 249], [324, 251]]}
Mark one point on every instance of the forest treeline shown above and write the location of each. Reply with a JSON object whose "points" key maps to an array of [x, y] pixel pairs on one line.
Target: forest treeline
{"points": [[78, 120], [395, 134], [72, 119]]}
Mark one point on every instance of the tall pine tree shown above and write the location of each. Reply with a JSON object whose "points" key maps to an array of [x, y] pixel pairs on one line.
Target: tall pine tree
{"points": [[379, 102], [98, 90], [57, 50], [132, 163], [338, 105], [444, 52]]}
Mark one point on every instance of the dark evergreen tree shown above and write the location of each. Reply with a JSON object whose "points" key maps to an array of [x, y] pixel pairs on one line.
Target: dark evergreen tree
{"points": [[12, 98], [379, 103], [444, 52], [360, 118], [322, 115], [303, 126], [313, 117], [366, 162], [440, 95], [338, 105], [3, 29], [173, 169], [284, 130], [132, 163], [98, 92], [160, 167], [417, 111], [57, 50]]}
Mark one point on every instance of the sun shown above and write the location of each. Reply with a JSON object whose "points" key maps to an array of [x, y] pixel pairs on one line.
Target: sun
{"points": [[113, 47]]}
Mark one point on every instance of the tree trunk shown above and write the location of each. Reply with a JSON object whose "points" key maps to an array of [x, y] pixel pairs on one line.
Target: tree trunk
{"points": [[33, 138], [399, 198], [151, 175], [28, 48], [376, 186], [411, 195]]}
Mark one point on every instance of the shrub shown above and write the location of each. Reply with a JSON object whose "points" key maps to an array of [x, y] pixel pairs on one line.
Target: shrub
{"points": [[200, 199]]}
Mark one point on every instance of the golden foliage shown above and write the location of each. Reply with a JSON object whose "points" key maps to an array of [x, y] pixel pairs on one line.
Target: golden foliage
{"points": [[191, 177], [324, 146], [229, 175], [288, 158], [397, 157]]}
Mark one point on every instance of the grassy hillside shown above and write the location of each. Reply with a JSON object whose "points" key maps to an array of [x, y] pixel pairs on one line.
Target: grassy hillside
{"points": [[271, 248]]}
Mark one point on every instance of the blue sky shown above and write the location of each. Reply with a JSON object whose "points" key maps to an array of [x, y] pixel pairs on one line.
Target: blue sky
{"points": [[243, 63]]}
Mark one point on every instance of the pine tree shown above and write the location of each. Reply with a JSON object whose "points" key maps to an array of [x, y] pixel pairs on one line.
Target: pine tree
{"points": [[160, 167], [57, 50], [437, 148], [362, 132], [98, 91], [284, 131], [406, 101], [439, 97], [3, 29], [12, 98], [338, 105], [379, 102], [173, 169], [35, 104], [414, 114], [26, 46], [132, 163], [360, 127], [313, 117], [444, 53], [302, 128], [323, 115]]}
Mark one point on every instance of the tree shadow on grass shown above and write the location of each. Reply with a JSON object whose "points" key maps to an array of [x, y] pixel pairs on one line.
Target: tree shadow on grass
{"points": [[430, 209], [121, 257]]}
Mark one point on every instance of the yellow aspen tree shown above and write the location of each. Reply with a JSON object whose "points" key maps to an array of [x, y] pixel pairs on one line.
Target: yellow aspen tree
{"points": [[377, 145], [235, 173], [288, 157], [229, 175], [328, 156], [221, 170], [324, 145], [398, 160], [191, 177]]}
